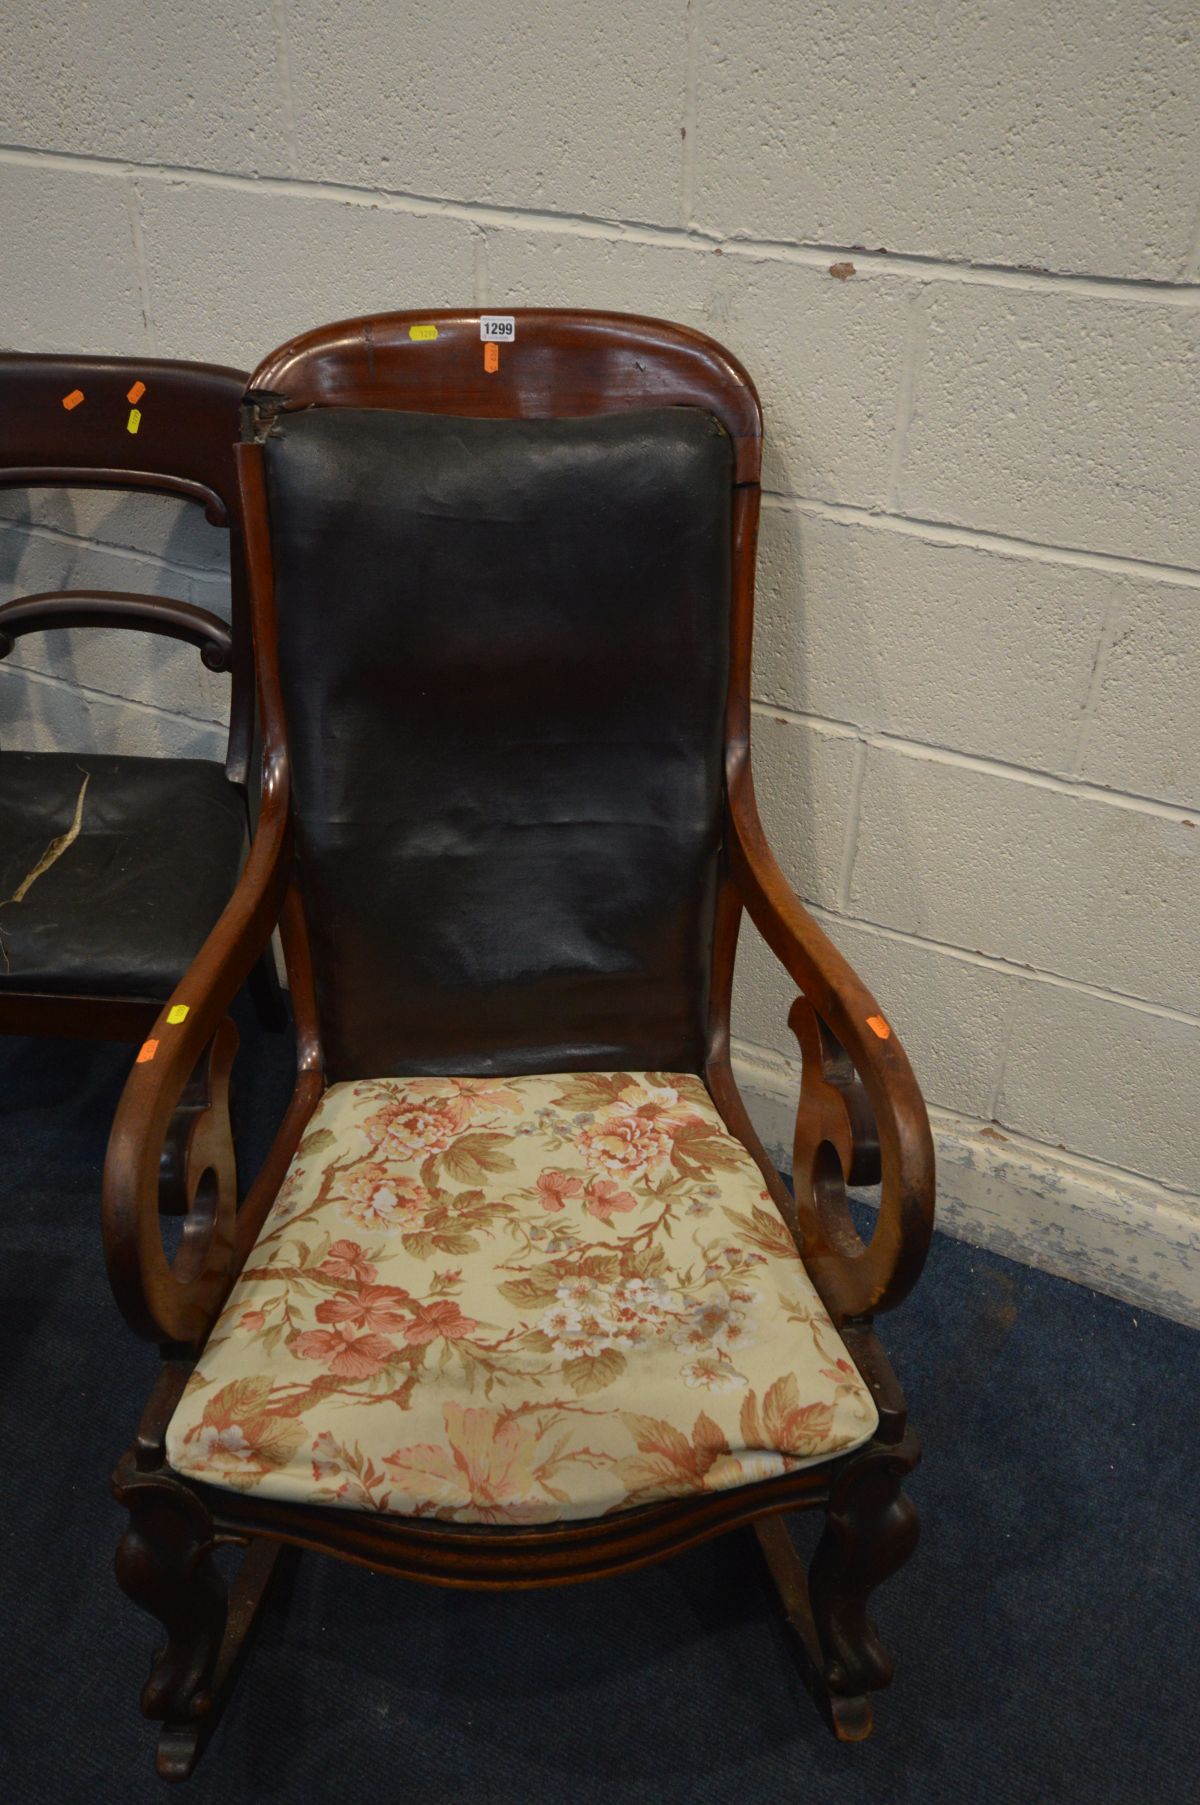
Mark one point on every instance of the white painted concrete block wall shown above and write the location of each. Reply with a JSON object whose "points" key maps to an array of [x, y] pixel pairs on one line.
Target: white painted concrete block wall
{"points": [[979, 642]]}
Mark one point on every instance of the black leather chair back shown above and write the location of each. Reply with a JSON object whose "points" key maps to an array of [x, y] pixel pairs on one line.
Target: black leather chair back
{"points": [[504, 650]]}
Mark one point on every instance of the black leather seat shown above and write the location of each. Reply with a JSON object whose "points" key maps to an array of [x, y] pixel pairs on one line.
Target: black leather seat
{"points": [[121, 906]]}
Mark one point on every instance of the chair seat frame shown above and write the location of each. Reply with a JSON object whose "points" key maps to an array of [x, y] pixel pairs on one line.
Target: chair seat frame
{"points": [[860, 1119]]}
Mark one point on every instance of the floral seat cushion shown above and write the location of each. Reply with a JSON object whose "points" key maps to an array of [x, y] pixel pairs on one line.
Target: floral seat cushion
{"points": [[515, 1301]]}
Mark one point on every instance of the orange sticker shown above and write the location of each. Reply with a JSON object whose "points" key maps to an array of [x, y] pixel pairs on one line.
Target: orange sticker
{"points": [[135, 394], [877, 1025], [146, 1052], [73, 399], [491, 359]]}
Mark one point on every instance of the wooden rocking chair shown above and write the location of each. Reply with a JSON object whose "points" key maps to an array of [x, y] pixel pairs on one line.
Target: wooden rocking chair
{"points": [[518, 1298]]}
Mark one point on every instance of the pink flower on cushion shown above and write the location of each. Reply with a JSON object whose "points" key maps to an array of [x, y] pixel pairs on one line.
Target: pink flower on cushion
{"points": [[372, 1195], [553, 1189], [349, 1355], [626, 1142], [251, 1319], [441, 1319], [345, 1261], [631, 1142], [370, 1307], [605, 1199], [413, 1126]]}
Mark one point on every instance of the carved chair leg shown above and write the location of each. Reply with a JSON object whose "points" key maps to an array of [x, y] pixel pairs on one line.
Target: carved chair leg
{"points": [[165, 1564], [870, 1531]]}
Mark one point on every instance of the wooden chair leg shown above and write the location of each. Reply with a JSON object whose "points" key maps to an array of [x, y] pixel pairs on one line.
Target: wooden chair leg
{"points": [[870, 1530], [165, 1564]]}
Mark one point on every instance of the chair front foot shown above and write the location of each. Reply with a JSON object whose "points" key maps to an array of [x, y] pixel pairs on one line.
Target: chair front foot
{"points": [[179, 1747], [164, 1563], [870, 1530]]}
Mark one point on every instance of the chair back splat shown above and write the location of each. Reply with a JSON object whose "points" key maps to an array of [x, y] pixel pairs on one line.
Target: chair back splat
{"points": [[504, 589]]}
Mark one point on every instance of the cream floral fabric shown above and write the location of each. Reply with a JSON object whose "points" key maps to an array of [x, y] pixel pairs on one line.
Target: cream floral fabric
{"points": [[514, 1301]]}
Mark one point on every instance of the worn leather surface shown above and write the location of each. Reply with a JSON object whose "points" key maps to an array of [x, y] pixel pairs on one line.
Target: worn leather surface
{"points": [[504, 650], [126, 905]]}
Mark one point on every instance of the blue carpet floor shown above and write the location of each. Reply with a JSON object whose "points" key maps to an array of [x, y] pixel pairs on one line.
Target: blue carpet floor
{"points": [[1045, 1632]]}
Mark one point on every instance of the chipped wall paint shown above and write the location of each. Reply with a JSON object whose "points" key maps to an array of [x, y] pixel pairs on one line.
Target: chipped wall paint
{"points": [[1032, 1203]]}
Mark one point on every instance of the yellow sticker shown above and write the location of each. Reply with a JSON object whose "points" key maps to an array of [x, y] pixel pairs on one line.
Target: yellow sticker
{"points": [[177, 1013], [134, 420], [422, 332]]}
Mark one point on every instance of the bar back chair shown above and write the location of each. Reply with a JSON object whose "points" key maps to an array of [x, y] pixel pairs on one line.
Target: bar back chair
{"points": [[113, 870], [518, 1298]]}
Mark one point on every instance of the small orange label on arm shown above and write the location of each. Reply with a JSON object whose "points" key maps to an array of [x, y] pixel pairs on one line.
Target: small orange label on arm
{"points": [[146, 1052], [877, 1025], [491, 358], [73, 399]]}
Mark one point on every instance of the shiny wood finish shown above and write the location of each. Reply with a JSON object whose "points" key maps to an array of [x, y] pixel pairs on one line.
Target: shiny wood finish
{"points": [[177, 1301], [162, 614], [560, 364], [872, 1089]]}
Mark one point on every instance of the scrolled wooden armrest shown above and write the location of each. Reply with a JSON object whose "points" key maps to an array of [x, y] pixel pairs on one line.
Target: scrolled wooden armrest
{"points": [[171, 1147], [162, 614], [861, 1117]]}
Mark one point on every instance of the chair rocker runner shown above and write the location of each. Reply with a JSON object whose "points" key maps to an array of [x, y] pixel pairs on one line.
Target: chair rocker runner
{"points": [[517, 1298]]}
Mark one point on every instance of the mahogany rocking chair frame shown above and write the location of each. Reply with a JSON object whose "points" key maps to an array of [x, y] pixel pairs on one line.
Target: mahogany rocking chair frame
{"points": [[861, 1119]]}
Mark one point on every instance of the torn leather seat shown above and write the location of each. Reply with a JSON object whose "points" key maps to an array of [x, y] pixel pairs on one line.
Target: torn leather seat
{"points": [[112, 870]]}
